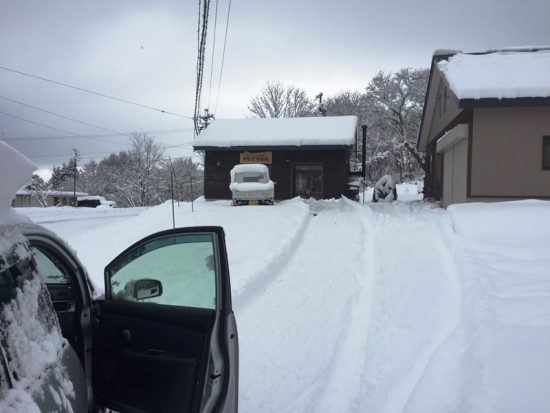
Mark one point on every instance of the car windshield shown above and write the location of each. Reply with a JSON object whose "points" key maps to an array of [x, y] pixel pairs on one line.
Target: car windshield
{"points": [[251, 177], [254, 178]]}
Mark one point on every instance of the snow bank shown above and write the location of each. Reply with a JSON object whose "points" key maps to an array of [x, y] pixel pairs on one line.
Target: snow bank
{"points": [[406, 192], [513, 222], [513, 74], [329, 130], [256, 236], [401, 307], [497, 359]]}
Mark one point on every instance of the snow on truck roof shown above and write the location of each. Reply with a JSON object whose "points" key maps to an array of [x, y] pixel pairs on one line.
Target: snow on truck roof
{"points": [[504, 73], [265, 132], [250, 168]]}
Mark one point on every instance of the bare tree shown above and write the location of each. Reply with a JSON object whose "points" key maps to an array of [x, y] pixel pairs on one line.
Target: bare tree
{"points": [[347, 103], [146, 155], [276, 100], [38, 190], [131, 178], [186, 176], [397, 100]]}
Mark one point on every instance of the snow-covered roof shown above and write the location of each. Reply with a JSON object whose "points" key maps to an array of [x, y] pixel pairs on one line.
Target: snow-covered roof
{"points": [[506, 73], [90, 198], [255, 132], [53, 193]]}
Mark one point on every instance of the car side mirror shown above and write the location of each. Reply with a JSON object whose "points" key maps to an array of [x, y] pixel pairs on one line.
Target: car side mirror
{"points": [[147, 288]]}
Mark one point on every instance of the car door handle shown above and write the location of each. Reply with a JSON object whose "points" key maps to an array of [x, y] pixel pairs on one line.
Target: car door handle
{"points": [[125, 335], [155, 352]]}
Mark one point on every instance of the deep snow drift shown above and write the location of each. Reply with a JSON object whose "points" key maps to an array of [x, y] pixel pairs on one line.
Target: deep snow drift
{"points": [[388, 307]]}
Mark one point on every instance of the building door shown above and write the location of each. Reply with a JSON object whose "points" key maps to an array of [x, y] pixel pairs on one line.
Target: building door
{"points": [[308, 181]]}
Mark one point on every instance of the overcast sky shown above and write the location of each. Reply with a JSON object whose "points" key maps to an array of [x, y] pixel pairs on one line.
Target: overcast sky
{"points": [[145, 51]]}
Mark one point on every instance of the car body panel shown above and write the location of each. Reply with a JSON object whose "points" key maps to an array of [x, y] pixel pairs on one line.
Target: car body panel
{"points": [[40, 369]]}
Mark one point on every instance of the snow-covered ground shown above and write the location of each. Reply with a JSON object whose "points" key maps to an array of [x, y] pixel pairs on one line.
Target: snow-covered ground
{"points": [[388, 307]]}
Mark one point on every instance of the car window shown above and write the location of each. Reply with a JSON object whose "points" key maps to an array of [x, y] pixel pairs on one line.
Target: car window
{"points": [[13, 277], [184, 264], [51, 272], [8, 284]]}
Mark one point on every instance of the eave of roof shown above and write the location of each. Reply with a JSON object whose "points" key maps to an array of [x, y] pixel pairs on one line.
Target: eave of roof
{"points": [[424, 108], [504, 103], [271, 148]]}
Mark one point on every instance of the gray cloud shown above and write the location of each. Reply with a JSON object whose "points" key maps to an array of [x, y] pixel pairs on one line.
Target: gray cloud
{"points": [[145, 51]]}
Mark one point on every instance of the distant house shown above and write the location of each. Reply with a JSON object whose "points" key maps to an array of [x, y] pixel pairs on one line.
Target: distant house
{"points": [[306, 157], [24, 198], [486, 126]]}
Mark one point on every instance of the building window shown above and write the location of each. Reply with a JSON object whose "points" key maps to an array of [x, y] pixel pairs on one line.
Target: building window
{"points": [[546, 152]]}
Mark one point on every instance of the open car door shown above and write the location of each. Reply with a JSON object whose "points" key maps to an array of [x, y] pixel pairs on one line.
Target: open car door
{"points": [[167, 338]]}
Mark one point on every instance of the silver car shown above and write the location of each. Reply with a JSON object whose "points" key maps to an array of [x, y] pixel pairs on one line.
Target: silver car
{"points": [[162, 339]]}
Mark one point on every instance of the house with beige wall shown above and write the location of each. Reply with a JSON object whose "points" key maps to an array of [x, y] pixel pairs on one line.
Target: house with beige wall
{"points": [[485, 129]]}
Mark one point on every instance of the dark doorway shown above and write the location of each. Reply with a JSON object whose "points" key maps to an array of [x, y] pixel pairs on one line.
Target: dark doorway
{"points": [[308, 180]]}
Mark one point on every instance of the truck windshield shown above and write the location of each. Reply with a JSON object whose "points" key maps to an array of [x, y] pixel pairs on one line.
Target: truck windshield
{"points": [[255, 178]]}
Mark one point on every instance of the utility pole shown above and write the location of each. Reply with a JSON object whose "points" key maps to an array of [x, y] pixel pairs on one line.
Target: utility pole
{"points": [[364, 159], [76, 158], [205, 120], [321, 108], [191, 185], [172, 191]]}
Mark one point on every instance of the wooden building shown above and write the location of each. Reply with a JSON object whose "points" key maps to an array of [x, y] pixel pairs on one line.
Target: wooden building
{"points": [[486, 126], [306, 157], [24, 198]]}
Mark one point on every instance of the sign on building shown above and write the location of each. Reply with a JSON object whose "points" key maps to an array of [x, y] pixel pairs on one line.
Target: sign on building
{"points": [[256, 157]]}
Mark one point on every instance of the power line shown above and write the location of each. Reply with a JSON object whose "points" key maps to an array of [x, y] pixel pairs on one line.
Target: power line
{"points": [[57, 129], [150, 132], [64, 154], [64, 117], [91, 155], [213, 53], [223, 56], [129, 102], [201, 49]]}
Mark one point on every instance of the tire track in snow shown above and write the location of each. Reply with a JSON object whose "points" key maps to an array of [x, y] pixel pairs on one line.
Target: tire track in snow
{"points": [[417, 308], [342, 389], [291, 333], [263, 278]]}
